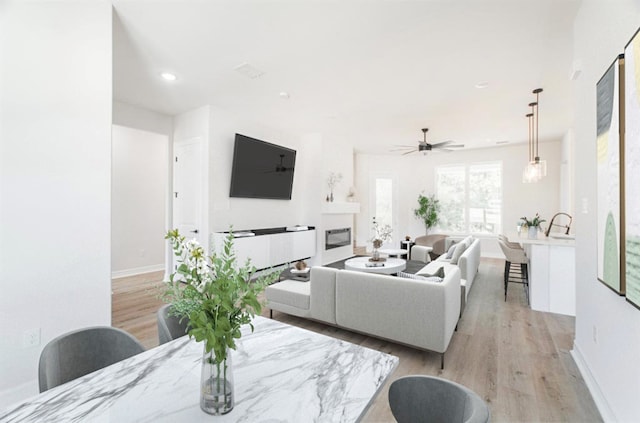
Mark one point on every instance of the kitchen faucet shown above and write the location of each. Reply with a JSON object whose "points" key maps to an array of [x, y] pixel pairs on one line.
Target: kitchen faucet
{"points": [[564, 226]]}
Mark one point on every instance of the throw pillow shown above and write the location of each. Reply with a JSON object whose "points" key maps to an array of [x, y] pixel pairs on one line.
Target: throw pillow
{"points": [[420, 277], [450, 252], [460, 247], [468, 240], [438, 273]]}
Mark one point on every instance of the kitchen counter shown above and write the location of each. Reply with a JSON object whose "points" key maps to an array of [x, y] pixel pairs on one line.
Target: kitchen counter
{"points": [[552, 284]]}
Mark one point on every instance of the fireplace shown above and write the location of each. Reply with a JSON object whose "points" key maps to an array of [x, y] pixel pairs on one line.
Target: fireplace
{"points": [[335, 238]]}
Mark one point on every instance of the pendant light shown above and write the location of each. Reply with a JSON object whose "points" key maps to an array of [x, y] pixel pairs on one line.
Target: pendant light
{"points": [[540, 165], [528, 172], [535, 169]]}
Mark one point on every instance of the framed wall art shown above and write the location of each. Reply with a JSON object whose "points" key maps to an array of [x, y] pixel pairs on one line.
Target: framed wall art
{"points": [[632, 168], [610, 176]]}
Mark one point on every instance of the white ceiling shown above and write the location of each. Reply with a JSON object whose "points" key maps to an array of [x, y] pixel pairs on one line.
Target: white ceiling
{"points": [[371, 73]]}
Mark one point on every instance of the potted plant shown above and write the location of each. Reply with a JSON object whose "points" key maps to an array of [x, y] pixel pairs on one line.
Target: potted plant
{"points": [[532, 225], [427, 211], [217, 297]]}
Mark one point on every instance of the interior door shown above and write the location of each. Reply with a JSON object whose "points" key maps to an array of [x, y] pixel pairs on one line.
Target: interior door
{"points": [[187, 183]]}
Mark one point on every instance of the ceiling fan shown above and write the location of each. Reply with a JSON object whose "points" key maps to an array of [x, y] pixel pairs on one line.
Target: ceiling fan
{"points": [[424, 146]]}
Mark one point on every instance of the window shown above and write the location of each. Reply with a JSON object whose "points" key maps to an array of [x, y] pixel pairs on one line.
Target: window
{"points": [[471, 197]]}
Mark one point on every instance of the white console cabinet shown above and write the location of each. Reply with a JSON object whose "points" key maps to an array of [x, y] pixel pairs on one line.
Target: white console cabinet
{"points": [[271, 247]]}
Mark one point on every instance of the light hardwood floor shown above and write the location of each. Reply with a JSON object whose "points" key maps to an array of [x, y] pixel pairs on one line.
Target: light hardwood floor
{"points": [[517, 359]]}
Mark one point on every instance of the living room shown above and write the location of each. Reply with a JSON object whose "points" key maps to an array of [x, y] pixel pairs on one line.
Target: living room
{"points": [[58, 185]]}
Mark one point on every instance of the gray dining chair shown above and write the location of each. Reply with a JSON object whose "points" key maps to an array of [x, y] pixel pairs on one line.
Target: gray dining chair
{"points": [[170, 327], [83, 351], [419, 398]]}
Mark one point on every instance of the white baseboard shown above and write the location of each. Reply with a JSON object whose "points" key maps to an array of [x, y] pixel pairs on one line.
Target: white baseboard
{"points": [[598, 397], [17, 394], [136, 271]]}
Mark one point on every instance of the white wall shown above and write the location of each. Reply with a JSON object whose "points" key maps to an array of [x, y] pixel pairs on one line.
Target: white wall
{"points": [[607, 343], [138, 201], [131, 116], [416, 174], [55, 176]]}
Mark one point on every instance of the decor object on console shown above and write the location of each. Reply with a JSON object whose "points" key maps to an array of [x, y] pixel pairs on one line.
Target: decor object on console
{"points": [[533, 225], [381, 234], [333, 180], [427, 211], [351, 196], [217, 298]]}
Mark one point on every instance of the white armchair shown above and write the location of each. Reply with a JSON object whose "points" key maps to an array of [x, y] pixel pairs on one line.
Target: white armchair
{"points": [[421, 253]]}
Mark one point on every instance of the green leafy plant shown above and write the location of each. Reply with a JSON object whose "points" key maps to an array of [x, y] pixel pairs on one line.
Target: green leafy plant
{"points": [[214, 293], [533, 223], [428, 210]]}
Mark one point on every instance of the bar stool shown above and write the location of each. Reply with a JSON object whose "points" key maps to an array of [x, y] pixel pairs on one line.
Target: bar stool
{"points": [[521, 274], [504, 239]]}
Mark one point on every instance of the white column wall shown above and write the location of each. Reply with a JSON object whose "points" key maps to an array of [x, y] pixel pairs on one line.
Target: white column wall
{"points": [[55, 179]]}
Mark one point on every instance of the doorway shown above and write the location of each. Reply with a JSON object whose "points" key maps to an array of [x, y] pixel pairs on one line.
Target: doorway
{"points": [[138, 201]]}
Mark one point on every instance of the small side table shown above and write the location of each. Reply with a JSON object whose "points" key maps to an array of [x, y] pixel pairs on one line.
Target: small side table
{"points": [[391, 252], [406, 245]]}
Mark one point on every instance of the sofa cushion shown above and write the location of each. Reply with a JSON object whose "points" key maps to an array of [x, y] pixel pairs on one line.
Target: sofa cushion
{"points": [[450, 252], [293, 293], [460, 247], [430, 278], [431, 271]]}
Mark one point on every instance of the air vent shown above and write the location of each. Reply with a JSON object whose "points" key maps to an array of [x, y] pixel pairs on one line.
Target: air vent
{"points": [[249, 71]]}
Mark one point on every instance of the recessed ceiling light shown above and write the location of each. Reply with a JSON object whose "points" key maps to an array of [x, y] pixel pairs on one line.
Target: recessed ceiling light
{"points": [[168, 76], [483, 84], [284, 95]]}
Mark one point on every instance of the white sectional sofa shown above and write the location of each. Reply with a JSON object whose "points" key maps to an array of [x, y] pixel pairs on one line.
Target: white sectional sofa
{"points": [[417, 313], [468, 262]]}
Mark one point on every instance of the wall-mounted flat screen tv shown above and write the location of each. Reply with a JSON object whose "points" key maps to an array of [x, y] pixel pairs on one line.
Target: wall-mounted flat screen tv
{"points": [[261, 169]]}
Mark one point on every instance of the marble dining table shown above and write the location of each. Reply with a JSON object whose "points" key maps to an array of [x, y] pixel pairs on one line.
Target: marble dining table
{"points": [[282, 373]]}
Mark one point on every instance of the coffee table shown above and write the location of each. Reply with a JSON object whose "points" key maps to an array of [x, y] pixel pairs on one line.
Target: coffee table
{"points": [[389, 266]]}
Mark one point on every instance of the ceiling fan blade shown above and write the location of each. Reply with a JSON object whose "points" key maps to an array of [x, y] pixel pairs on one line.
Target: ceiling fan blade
{"points": [[455, 146], [409, 152], [441, 144]]}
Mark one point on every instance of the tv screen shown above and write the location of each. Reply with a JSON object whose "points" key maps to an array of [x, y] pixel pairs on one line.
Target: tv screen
{"points": [[261, 169]]}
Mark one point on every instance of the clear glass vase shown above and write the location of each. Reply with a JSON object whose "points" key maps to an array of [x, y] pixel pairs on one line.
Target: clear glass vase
{"points": [[216, 384], [376, 254]]}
